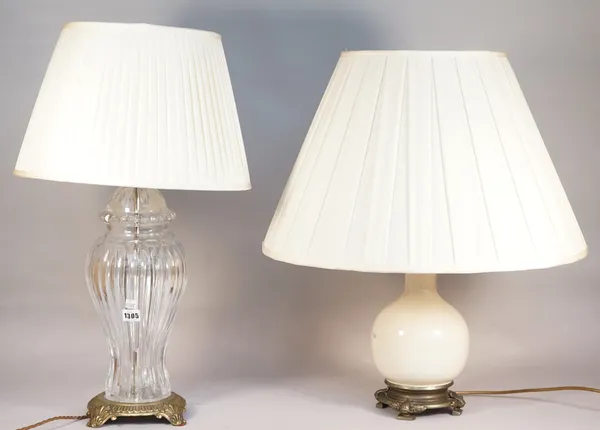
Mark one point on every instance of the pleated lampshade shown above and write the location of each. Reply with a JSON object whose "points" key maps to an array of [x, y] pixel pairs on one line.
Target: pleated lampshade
{"points": [[136, 105], [424, 162]]}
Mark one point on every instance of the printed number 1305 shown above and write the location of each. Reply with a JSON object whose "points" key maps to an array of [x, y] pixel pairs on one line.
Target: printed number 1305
{"points": [[131, 315]]}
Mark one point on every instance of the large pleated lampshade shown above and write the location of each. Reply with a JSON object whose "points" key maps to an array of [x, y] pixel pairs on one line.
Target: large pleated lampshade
{"points": [[136, 105], [424, 162]]}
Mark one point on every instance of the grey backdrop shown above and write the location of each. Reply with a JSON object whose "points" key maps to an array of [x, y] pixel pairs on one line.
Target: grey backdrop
{"points": [[261, 344]]}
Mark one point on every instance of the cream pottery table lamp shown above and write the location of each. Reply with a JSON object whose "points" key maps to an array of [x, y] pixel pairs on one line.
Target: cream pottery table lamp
{"points": [[423, 163]]}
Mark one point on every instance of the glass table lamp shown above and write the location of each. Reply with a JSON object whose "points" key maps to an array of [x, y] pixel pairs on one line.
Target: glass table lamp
{"points": [[423, 163], [141, 108]]}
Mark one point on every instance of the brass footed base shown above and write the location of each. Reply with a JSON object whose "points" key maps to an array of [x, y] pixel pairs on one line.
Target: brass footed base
{"points": [[101, 410], [412, 401]]}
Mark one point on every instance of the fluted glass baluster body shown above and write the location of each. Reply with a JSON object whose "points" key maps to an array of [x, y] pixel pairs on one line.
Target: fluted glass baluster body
{"points": [[136, 276]]}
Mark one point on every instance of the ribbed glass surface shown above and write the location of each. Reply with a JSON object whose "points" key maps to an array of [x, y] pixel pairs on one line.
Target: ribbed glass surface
{"points": [[136, 275]]}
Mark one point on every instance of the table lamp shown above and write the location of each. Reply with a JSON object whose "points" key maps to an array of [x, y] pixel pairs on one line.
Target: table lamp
{"points": [[423, 163], [142, 108]]}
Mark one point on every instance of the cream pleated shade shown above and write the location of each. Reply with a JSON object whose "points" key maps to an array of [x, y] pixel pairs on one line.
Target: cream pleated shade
{"points": [[424, 162], [136, 105]]}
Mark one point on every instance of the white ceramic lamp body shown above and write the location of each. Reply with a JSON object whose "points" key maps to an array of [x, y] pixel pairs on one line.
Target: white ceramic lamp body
{"points": [[420, 340]]}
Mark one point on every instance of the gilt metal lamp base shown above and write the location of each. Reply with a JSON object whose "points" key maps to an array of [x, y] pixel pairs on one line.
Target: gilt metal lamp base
{"points": [[100, 410], [412, 401]]}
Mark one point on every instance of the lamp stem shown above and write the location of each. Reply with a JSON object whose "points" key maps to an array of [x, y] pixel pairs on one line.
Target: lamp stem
{"points": [[136, 249], [420, 282], [136, 210]]}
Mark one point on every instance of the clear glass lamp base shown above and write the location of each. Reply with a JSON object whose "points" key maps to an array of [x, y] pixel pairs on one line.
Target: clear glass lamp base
{"points": [[136, 276]]}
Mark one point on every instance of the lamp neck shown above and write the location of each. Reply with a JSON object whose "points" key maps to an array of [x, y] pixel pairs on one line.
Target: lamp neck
{"points": [[420, 284], [137, 212]]}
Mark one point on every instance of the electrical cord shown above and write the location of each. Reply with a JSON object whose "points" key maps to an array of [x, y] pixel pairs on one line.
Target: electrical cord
{"points": [[462, 393], [528, 390], [57, 418]]}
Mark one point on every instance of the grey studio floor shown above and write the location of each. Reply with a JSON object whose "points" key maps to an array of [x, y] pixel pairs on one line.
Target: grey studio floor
{"points": [[325, 402]]}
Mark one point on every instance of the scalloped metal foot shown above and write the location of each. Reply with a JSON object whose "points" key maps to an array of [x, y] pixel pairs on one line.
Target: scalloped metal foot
{"points": [[406, 417], [413, 401], [101, 410]]}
